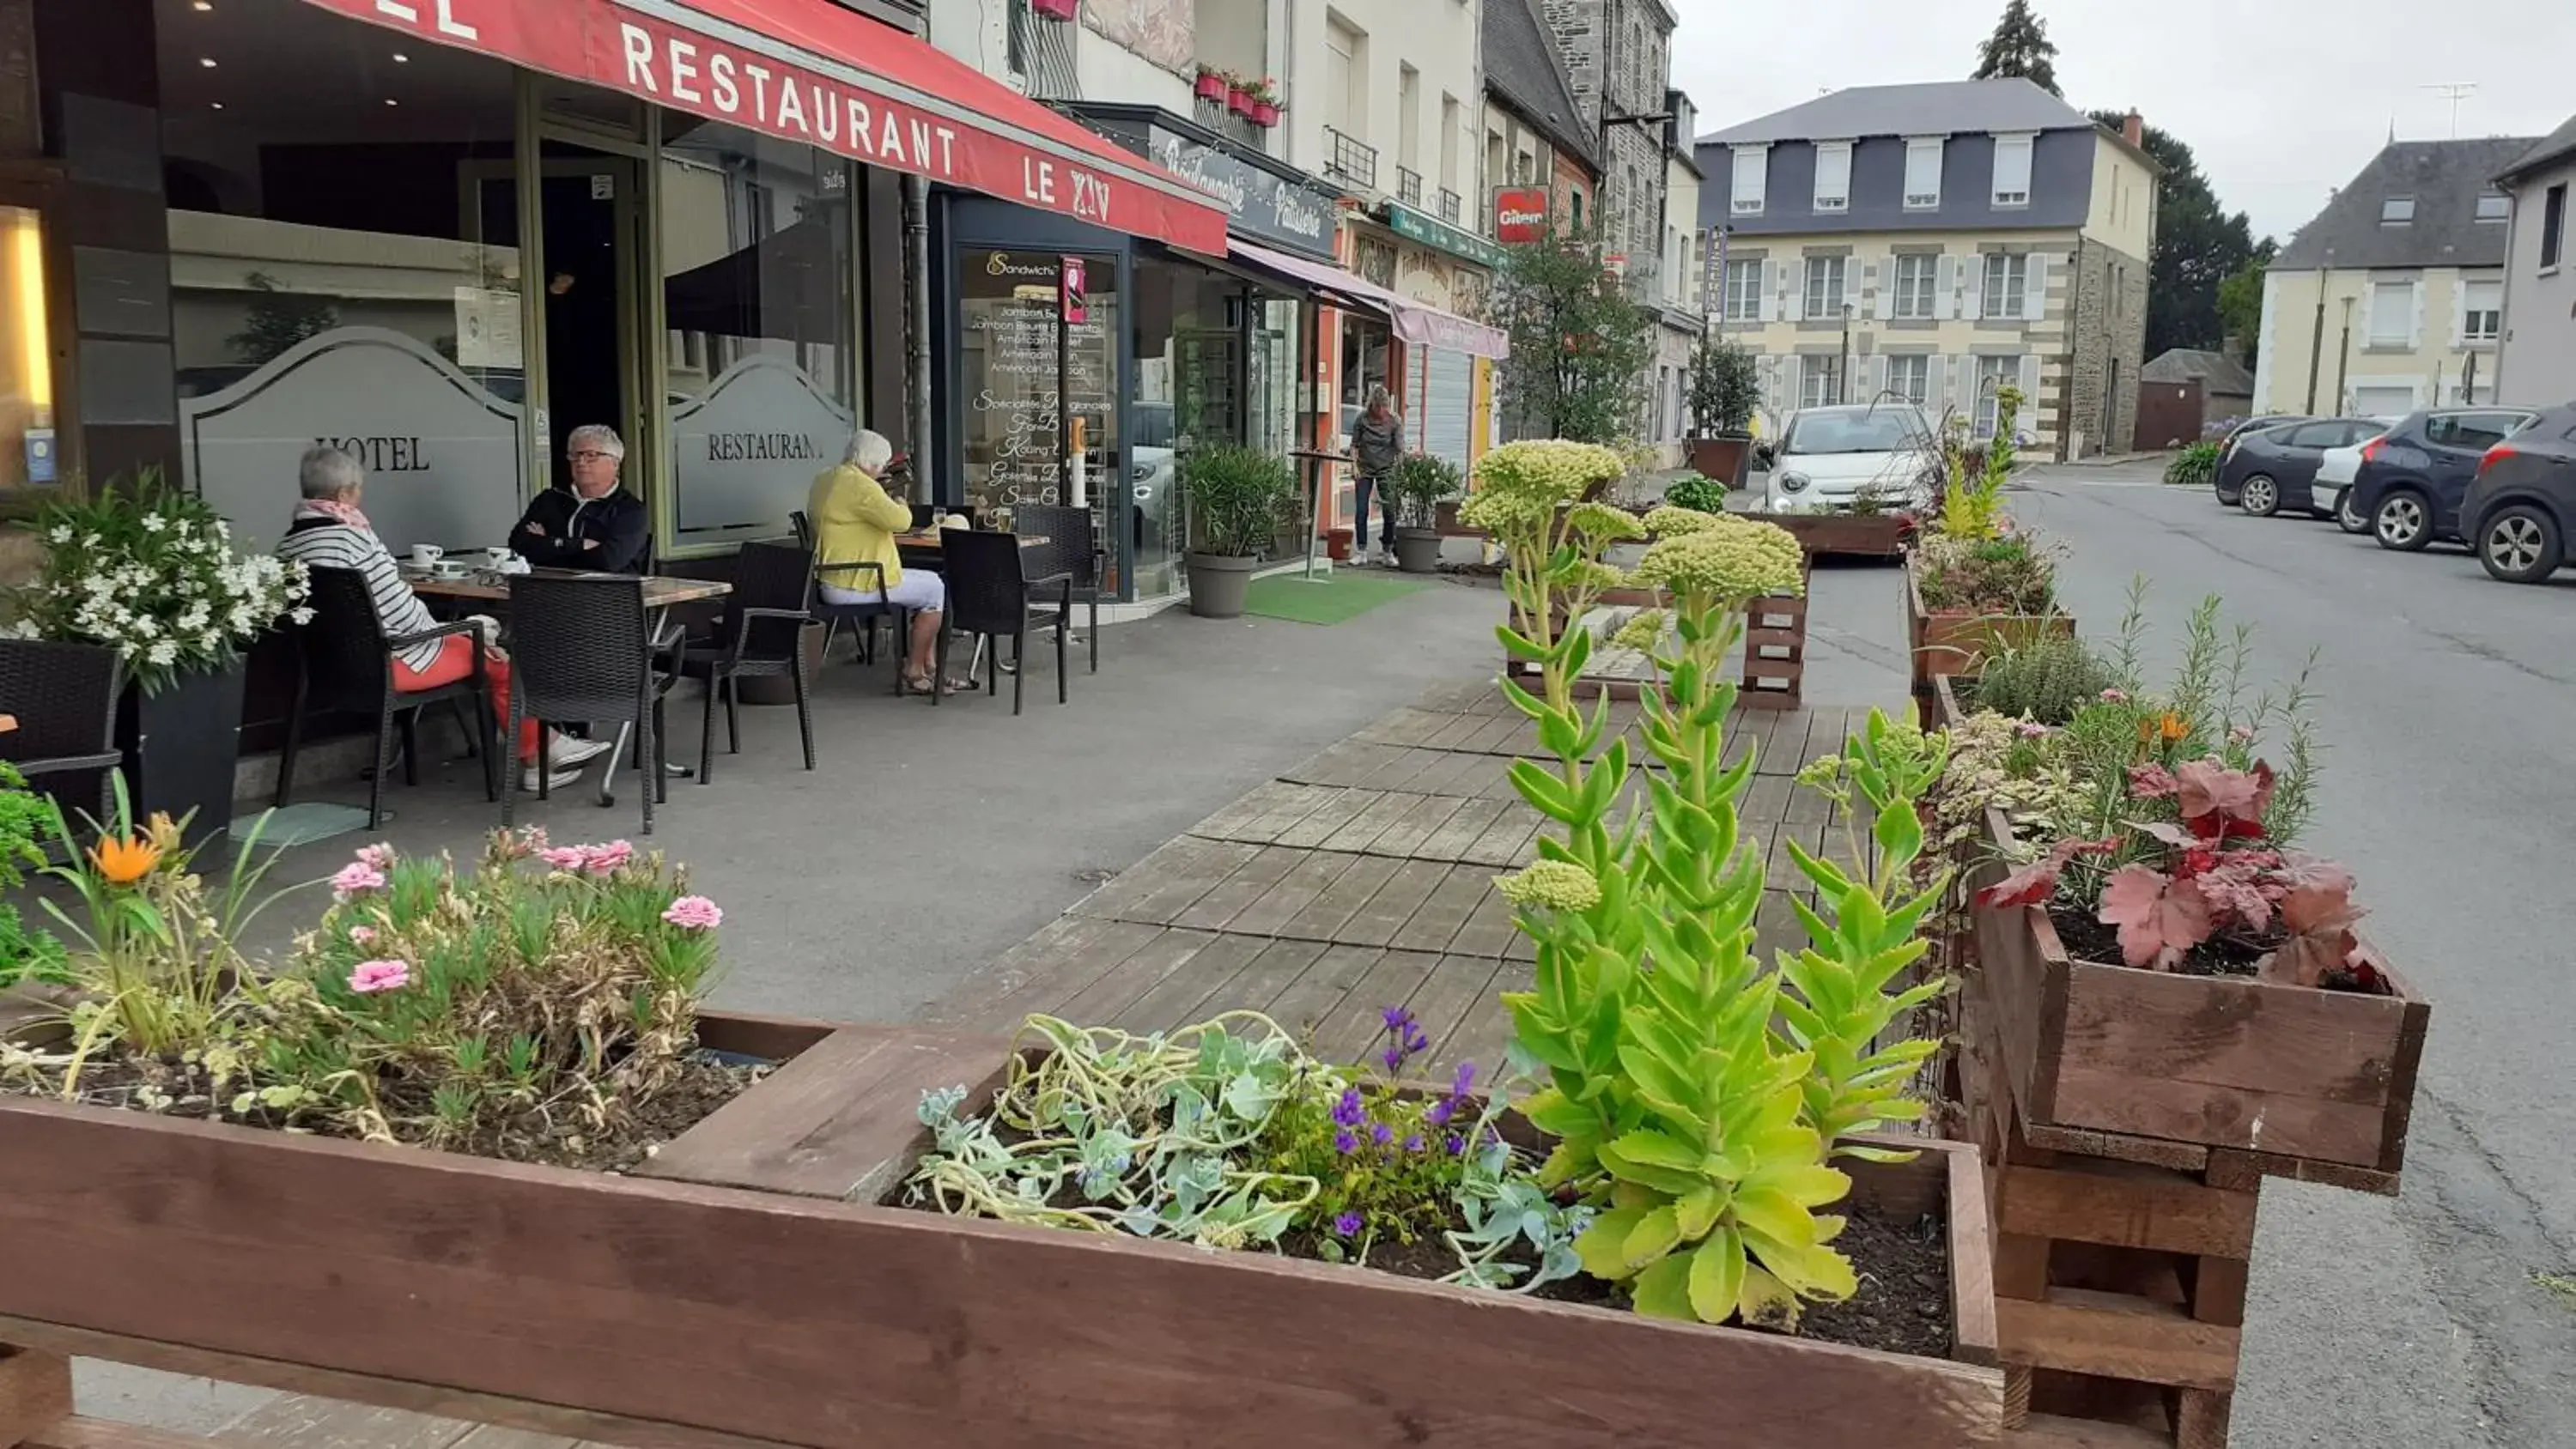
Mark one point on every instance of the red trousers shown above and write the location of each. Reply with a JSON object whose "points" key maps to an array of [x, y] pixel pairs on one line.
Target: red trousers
{"points": [[454, 662]]}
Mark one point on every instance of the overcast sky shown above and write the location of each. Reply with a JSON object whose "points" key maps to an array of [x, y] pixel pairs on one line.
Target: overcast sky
{"points": [[2282, 100]]}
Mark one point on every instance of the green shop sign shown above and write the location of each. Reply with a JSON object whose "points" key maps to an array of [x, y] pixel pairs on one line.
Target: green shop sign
{"points": [[1431, 231]]}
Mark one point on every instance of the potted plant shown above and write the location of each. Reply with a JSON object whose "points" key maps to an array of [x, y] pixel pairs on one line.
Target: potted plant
{"points": [[1417, 487], [1211, 83], [1264, 95], [1239, 499], [1056, 9], [148, 570], [1975, 583], [1724, 390], [1238, 96]]}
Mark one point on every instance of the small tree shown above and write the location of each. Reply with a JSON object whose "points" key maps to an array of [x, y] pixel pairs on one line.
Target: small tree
{"points": [[1724, 388], [1581, 346], [2019, 47]]}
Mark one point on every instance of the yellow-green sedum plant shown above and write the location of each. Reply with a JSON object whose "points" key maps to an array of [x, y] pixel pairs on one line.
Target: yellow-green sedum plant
{"points": [[1694, 1091]]}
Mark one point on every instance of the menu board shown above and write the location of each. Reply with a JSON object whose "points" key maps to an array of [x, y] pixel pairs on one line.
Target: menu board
{"points": [[1034, 382]]}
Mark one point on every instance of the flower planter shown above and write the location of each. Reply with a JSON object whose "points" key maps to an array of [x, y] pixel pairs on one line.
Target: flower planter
{"points": [[1724, 457], [1239, 101], [1265, 114], [2286, 1074], [1219, 583], [1055, 9], [745, 1288], [1417, 550], [1211, 86], [1956, 641], [1878, 535], [181, 746]]}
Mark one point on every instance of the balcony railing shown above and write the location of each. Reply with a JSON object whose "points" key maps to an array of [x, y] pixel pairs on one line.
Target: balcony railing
{"points": [[1408, 186], [1450, 202], [1349, 159], [1220, 118]]}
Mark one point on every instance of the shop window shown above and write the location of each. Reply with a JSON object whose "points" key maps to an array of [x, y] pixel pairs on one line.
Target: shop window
{"points": [[345, 265], [1039, 413], [26, 355], [758, 262]]}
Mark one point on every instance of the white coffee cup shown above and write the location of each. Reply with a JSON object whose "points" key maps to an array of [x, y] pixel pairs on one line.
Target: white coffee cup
{"points": [[497, 558], [426, 555]]}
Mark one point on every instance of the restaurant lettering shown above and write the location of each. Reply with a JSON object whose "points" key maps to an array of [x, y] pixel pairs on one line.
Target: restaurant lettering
{"points": [[381, 455], [760, 447], [787, 102]]}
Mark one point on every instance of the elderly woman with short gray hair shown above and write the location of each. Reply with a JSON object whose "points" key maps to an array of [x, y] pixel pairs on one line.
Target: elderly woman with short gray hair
{"points": [[855, 558], [329, 531], [596, 524]]}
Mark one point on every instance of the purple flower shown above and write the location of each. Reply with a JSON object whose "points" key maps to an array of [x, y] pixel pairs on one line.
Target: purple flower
{"points": [[1393, 1057], [1396, 1018], [1456, 1144], [1383, 1133], [1348, 1111], [1440, 1112], [1345, 1142], [1465, 1081], [1413, 1143], [1415, 1041], [1347, 1225]]}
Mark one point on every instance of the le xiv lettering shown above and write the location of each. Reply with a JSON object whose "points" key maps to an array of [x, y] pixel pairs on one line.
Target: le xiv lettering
{"points": [[382, 455]]}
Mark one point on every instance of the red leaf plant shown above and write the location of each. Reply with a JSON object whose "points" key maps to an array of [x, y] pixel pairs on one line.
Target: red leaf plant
{"points": [[2219, 876]]}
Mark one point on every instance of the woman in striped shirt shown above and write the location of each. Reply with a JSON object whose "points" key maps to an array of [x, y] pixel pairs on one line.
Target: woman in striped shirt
{"points": [[329, 532]]}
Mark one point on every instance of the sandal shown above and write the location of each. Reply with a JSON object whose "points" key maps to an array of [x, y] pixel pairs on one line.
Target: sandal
{"points": [[920, 684]]}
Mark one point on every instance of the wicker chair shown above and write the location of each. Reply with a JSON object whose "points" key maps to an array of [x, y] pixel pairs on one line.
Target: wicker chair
{"points": [[64, 697], [761, 636], [864, 615], [989, 594], [1071, 547], [581, 650], [347, 664]]}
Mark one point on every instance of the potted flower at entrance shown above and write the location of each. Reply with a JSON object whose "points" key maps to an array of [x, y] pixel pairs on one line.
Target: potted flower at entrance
{"points": [[148, 570], [1239, 500], [1417, 488]]}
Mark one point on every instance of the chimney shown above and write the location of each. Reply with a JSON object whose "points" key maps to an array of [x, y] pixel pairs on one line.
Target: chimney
{"points": [[2133, 129]]}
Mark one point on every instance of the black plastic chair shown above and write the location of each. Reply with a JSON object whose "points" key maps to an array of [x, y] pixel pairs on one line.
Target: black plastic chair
{"points": [[582, 650], [64, 698], [346, 663], [864, 614], [1072, 547], [761, 636], [803, 527], [989, 594]]}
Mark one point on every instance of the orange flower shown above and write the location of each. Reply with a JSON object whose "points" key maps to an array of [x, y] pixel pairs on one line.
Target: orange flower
{"points": [[2174, 728], [123, 861]]}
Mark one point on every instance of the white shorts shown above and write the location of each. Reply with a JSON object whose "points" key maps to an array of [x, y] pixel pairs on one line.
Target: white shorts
{"points": [[919, 590]]}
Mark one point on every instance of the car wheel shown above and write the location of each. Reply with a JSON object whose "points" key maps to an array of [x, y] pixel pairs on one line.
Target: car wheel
{"points": [[2262, 496], [2404, 522], [2348, 513], [2519, 544]]}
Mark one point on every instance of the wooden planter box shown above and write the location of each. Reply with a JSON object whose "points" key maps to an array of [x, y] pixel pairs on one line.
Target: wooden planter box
{"points": [[1877, 535], [1724, 457], [749, 1292], [2287, 1075], [1956, 641]]}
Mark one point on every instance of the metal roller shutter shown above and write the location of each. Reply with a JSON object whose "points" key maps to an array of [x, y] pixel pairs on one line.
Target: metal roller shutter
{"points": [[1440, 399]]}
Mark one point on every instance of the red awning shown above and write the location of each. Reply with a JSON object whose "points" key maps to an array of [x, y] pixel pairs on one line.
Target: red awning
{"points": [[808, 70]]}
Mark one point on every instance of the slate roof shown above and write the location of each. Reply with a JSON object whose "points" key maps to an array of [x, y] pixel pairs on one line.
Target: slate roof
{"points": [[1928, 109], [2445, 178], [2560, 146], [2217, 372], [1524, 67]]}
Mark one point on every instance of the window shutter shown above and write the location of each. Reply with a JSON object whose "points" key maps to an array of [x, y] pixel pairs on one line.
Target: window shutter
{"points": [[1766, 301], [1793, 293], [1877, 377], [1976, 308], [2459, 311], [1935, 378], [2035, 304], [1882, 304], [1945, 290], [1963, 388], [2415, 329], [2029, 394]]}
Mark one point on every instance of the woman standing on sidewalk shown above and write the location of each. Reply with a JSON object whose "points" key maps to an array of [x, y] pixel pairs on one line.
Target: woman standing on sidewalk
{"points": [[1377, 443]]}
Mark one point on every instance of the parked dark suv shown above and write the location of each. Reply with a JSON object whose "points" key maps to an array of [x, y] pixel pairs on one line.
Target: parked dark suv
{"points": [[2235, 437], [2413, 479], [2518, 512], [2269, 470]]}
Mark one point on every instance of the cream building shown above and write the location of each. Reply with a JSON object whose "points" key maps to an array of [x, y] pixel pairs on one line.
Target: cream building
{"points": [[2392, 298], [1936, 242]]}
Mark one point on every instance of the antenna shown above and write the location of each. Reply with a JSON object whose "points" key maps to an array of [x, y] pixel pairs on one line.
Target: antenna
{"points": [[2455, 92]]}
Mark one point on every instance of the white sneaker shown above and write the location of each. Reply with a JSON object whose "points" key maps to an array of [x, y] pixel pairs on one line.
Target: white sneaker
{"points": [[566, 750], [564, 778]]}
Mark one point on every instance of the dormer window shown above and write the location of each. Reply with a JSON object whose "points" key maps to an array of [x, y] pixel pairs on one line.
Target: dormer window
{"points": [[2494, 206], [2397, 211]]}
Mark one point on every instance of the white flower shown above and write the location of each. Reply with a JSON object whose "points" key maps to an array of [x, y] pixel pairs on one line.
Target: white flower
{"points": [[162, 653], [154, 523], [301, 616], [62, 533]]}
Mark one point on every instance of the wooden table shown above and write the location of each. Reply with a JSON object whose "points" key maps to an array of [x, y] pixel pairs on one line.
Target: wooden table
{"points": [[932, 540]]}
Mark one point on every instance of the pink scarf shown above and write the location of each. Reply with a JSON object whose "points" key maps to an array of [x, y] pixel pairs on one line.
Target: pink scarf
{"points": [[334, 509]]}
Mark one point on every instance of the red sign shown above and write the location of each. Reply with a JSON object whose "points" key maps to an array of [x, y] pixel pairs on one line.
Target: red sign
{"points": [[811, 71], [1073, 289], [1520, 215]]}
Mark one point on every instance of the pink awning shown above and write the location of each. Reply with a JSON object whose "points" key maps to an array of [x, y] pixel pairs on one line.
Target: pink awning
{"points": [[1415, 322]]}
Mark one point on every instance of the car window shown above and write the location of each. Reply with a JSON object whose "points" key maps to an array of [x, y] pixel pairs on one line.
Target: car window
{"points": [[2361, 432], [2472, 432], [1882, 430], [2315, 435]]}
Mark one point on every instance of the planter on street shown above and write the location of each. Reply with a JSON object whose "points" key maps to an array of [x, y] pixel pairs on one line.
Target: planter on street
{"points": [[1957, 642], [1724, 457], [1878, 535], [1417, 550], [181, 746], [1219, 583]]}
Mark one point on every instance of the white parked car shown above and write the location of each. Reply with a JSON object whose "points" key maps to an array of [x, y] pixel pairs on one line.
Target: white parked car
{"points": [[2332, 489], [1829, 456]]}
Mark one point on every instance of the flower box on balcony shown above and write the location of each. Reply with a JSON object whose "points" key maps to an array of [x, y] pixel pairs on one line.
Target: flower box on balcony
{"points": [[1265, 114], [1239, 101], [1056, 9], [1212, 85]]}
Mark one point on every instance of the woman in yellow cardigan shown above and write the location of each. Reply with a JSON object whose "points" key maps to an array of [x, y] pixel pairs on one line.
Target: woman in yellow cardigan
{"points": [[855, 522]]}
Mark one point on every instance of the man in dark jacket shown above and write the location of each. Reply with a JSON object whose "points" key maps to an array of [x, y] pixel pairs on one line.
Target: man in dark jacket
{"points": [[596, 525]]}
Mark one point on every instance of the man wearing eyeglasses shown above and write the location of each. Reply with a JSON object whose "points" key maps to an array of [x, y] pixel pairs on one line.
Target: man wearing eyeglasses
{"points": [[597, 525]]}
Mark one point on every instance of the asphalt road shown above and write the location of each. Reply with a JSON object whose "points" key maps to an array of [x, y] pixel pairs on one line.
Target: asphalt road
{"points": [[2448, 702]]}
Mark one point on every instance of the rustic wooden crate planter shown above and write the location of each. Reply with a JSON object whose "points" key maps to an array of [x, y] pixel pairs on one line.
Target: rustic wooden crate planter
{"points": [[1956, 641], [749, 1292], [1875, 535], [2263, 1077], [1775, 649]]}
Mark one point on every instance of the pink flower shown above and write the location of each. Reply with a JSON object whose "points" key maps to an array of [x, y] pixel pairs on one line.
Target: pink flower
{"points": [[362, 935], [694, 913], [378, 857], [356, 878], [606, 858], [2241, 734], [374, 976], [2031, 729], [2115, 696], [2153, 782], [565, 857]]}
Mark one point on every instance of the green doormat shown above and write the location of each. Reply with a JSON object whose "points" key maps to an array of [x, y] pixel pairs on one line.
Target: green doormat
{"points": [[1345, 595], [300, 824]]}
